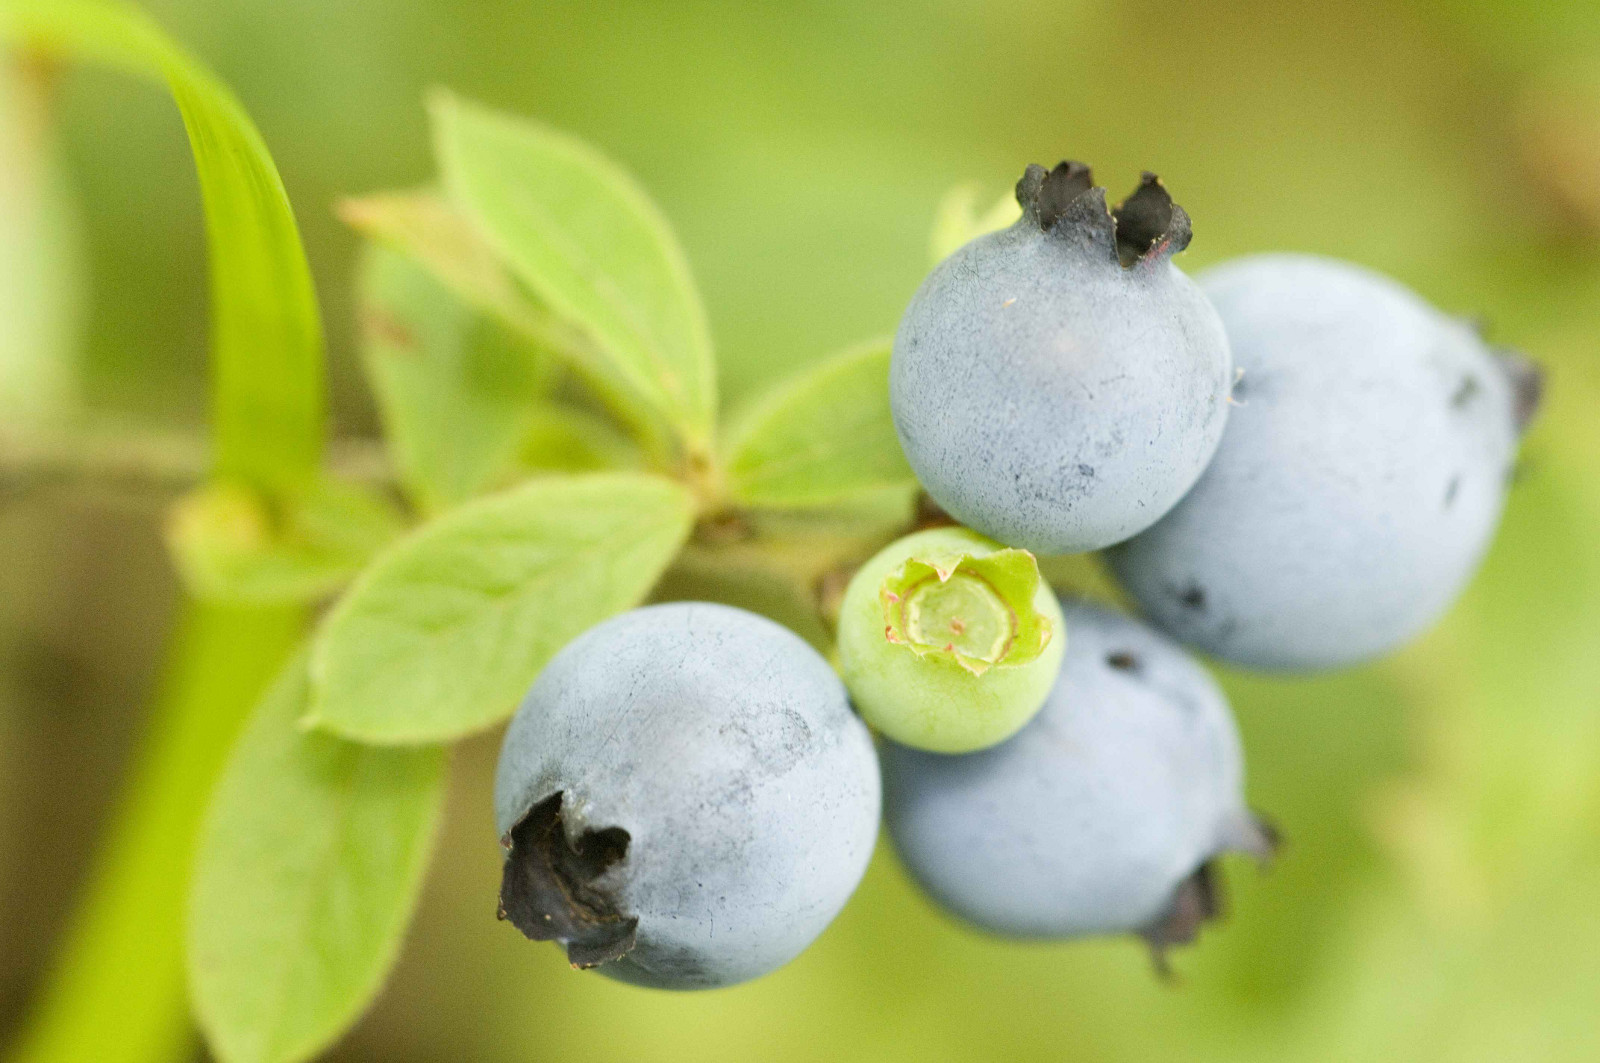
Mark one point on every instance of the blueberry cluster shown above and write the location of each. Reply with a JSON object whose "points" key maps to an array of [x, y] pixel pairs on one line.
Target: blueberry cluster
{"points": [[1291, 464]]}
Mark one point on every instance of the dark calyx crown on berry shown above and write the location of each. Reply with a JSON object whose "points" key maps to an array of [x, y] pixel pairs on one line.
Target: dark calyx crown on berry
{"points": [[1527, 379], [1146, 227], [548, 887]]}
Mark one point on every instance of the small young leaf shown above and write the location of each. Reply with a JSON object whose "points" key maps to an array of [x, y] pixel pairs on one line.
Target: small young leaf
{"points": [[454, 388], [431, 232], [591, 245], [427, 229], [434, 235], [449, 627], [266, 331], [824, 436], [309, 867], [231, 544], [957, 220]]}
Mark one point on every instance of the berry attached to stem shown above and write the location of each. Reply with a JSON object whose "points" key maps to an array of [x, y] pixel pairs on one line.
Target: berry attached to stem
{"points": [[949, 641]]}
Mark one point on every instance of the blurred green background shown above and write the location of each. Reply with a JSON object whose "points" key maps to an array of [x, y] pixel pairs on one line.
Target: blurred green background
{"points": [[1440, 895]]}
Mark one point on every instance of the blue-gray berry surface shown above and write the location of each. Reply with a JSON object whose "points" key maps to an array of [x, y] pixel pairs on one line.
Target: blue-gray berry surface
{"points": [[1359, 482], [1102, 816], [1059, 384], [686, 797]]}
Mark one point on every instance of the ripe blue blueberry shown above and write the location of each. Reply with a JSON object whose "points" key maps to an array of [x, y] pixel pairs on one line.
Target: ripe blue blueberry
{"points": [[1059, 384], [1102, 816], [685, 798], [1360, 480]]}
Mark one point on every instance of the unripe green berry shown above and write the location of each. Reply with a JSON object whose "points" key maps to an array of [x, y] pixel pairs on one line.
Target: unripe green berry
{"points": [[949, 641]]}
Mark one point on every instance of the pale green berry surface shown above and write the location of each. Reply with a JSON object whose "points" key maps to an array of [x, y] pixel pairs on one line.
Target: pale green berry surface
{"points": [[949, 641]]}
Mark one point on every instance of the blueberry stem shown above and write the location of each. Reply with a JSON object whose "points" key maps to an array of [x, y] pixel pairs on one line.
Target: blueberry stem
{"points": [[119, 461]]}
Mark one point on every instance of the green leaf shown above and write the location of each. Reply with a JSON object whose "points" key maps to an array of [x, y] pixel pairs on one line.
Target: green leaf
{"points": [[266, 334], [577, 230], [448, 628], [823, 437], [559, 438], [454, 388], [958, 219], [431, 232], [231, 544], [434, 235], [309, 866]]}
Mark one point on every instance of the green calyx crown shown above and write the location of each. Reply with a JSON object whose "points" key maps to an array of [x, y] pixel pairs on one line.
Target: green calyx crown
{"points": [[974, 611]]}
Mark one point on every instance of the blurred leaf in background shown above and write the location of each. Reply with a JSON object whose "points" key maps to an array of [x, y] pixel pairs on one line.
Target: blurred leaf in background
{"points": [[41, 297]]}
